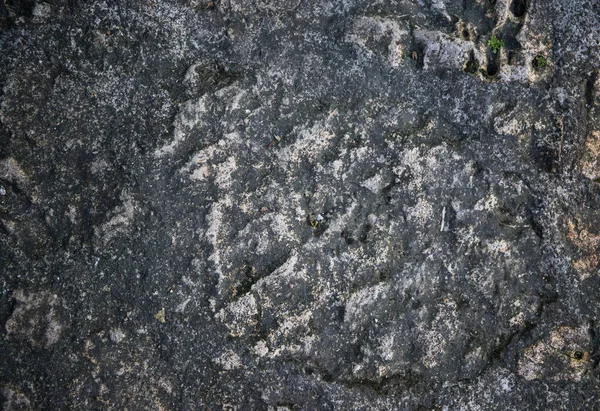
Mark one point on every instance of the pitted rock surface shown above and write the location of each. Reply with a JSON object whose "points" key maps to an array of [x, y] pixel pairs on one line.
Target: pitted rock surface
{"points": [[297, 205]]}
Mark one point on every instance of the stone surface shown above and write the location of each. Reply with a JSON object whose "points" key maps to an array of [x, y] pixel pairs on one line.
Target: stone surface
{"points": [[297, 205]]}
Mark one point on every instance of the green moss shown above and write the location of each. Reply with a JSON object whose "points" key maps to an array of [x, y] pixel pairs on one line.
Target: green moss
{"points": [[540, 61], [495, 43]]}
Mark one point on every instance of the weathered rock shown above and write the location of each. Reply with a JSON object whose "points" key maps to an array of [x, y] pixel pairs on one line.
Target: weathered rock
{"points": [[287, 205], [35, 319]]}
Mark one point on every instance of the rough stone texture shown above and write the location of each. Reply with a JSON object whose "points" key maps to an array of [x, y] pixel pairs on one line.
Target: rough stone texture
{"points": [[299, 205]]}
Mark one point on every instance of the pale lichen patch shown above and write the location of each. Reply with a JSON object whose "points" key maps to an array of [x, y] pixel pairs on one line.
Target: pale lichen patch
{"points": [[228, 360], [36, 318], [189, 116], [590, 162], [121, 218], [239, 316], [562, 356], [587, 244]]}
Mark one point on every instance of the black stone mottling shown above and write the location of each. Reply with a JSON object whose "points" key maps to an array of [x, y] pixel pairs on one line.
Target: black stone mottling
{"points": [[98, 232]]}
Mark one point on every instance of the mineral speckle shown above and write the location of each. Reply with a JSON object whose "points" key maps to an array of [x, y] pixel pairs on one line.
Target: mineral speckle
{"points": [[299, 205]]}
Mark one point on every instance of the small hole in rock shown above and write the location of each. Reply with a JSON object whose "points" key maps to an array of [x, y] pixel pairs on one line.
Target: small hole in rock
{"points": [[491, 69], [466, 35], [347, 237], [578, 355], [519, 7], [509, 57], [539, 62], [471, 65]]}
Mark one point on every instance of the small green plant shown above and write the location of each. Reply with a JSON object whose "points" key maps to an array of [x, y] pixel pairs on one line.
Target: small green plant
{"points": [[495, 43], [314, 220], [540, 61]]}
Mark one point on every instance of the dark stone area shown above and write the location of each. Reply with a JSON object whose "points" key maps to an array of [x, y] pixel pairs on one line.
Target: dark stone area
{"points": [[299, 205]]}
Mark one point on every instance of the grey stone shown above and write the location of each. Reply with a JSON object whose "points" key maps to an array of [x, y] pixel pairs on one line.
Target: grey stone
{"points": [[330, 205]]}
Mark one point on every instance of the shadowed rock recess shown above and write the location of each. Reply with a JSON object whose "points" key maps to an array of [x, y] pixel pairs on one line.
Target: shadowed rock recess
{"points": [[299, 205]]}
